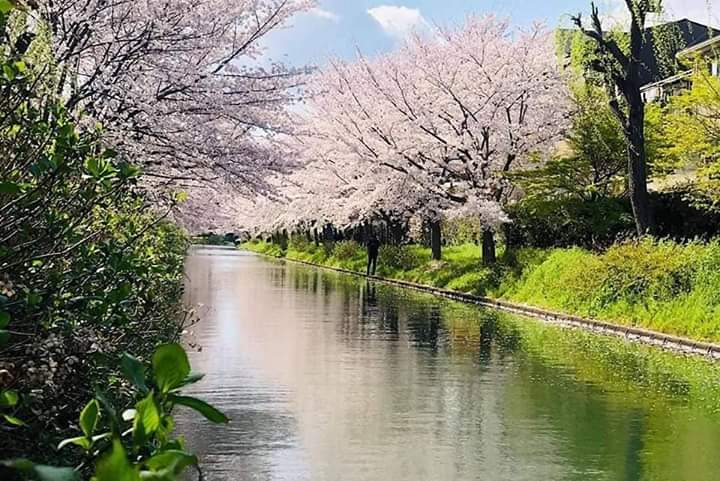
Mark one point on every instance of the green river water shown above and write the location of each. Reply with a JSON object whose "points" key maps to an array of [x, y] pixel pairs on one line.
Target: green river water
{"points": [[330, 378]]}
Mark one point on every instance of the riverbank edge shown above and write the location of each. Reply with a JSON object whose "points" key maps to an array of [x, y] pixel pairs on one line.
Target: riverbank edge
{"points": [[677, 344]]}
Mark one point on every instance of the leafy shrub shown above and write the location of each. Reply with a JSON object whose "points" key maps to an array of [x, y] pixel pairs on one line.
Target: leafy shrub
{"points": [[397, 257], [89, 268], [659, 284], [569, 222], [346, 250], [301, 243], [212, 239], [136, 443]]}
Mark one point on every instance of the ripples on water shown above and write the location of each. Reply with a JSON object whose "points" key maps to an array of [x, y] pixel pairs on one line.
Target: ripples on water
{"points": [[330, 378]]}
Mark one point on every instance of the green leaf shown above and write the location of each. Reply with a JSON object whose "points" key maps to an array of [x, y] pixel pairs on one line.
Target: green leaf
{"points": [[4, 319], [13, 420], [147, 419], [107, 407], [89, 418], [121, 293], [8, 398], [115, 466], [9, 72], [9, 187], [42, 472], [5, 6], [170, 366], [81, 441], [99, 437], [92, 165], [129, 171], [192, 378], [210, 412], [172, 460], [134, 371]]}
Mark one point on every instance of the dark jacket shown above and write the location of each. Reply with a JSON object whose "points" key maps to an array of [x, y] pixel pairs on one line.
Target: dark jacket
{"points": [[373, 246]]}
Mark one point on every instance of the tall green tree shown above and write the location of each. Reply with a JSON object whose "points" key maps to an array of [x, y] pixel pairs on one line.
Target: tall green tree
{"points": [[621, 71], [591, 162], [689, 146]]}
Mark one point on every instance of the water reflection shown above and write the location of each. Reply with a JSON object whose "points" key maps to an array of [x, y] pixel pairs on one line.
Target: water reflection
{"points": [[328, 377]]}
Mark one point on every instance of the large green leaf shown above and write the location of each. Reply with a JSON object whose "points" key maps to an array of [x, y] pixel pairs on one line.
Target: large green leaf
{"points": [[89, 418], [192, 378], [170, 366], [147, 419], [115, 466], [210, 412], [134, 371], [4, 337], [4, 319], [173, 460]]}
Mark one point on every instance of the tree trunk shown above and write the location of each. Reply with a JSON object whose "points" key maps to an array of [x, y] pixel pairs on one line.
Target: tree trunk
{"points": [[488, 247], [316, 237], [637, 168], [626, 80], [436, 240]]}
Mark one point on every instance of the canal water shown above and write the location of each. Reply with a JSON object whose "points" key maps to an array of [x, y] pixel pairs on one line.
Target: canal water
{"points": [[330, 378]]}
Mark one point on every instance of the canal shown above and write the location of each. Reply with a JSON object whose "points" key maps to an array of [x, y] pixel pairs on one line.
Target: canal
{"points": [[330, 378]]}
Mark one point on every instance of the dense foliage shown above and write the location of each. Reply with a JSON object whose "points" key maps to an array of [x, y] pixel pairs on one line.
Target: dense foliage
{"points": [[89, 267], [689, 129], [137, 443]]}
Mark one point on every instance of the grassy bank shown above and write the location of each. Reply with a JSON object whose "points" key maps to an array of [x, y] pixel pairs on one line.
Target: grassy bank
{"points": [[660, 285]]}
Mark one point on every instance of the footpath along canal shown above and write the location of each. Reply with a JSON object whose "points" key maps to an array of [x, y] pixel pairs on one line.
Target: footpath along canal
{"points": [[329, 377]]}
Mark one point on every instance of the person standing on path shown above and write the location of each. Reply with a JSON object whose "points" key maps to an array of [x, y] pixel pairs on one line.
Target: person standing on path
{"points": [[373, 248]]}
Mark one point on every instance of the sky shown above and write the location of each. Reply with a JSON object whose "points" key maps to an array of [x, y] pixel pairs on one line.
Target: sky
{"points": [[338, 28]]}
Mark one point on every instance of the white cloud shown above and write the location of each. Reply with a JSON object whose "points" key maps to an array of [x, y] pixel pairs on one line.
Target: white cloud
{"points": [[398, 21], [324, 14]]}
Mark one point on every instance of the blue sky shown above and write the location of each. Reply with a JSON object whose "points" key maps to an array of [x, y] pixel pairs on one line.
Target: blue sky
{"points": [[338, 27]]}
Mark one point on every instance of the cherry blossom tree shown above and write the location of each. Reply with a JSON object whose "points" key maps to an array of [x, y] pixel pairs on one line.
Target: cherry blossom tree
{"points": [[453, 112], [177, 84]]}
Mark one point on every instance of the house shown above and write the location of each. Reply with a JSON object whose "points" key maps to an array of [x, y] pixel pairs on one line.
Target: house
{"points": [[696, 55], [679, 40]]}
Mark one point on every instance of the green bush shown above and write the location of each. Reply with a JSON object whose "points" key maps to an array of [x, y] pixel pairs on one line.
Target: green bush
{"points": [[569, 222], [397, 257], [300, 242], [212, 239], [659, 284], [346, 250], [136, 443], [89, 266]]}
